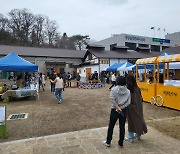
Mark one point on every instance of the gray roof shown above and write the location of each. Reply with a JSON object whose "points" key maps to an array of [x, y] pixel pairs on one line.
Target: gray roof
{"points": [[175, 50], [143, 48], [95, 45], [132, 54], [121, 47], [41, 52], [124, 55]]}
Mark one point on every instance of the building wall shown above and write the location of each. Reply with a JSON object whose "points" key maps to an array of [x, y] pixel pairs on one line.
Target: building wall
{"points": [[120, 40], [41, 62], [112, 61], [82, 71], [99, 67], [175, 37]]}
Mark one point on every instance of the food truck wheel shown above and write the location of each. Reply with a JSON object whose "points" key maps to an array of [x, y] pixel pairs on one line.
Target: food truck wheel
{"points": [[159, 100], [153, 101]]}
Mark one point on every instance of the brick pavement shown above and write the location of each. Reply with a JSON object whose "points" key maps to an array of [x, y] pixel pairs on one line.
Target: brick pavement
{"points": [[90, 142]]}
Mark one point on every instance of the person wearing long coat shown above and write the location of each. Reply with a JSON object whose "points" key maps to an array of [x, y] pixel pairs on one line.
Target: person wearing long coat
{"points": [[136, 122]]}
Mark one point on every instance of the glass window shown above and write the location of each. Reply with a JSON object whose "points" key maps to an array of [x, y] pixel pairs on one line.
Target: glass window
{"points": [[112, 46], [155, 48], [164, 47], [90, 57], [132, 46], [143, 45]]}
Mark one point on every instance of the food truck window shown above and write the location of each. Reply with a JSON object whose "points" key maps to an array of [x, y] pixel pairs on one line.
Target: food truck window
{"points": [[141, 75]]}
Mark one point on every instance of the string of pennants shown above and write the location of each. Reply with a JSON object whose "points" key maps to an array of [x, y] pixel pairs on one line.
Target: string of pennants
{"points": [[91, 86]]}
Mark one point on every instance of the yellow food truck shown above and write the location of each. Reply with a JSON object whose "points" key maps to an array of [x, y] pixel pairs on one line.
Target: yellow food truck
{"points": [[159, 80]]}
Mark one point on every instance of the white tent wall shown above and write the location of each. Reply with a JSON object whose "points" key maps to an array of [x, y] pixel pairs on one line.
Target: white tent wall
{"points": [[174, 65]]}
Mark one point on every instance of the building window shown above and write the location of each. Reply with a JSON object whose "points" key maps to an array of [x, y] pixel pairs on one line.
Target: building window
{"points": [[155, 48], [143, 45], [112, 46], [164, 47], [90, 57], [132, 46], [104, 61]]}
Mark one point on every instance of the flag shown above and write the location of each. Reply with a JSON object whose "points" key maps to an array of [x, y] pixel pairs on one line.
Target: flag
{"points": [[159, 28], [152, 27]]}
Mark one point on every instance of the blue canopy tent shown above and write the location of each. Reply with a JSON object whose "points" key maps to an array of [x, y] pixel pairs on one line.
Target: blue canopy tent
{"points": [[166, 53], [127, 66], [114, 67], [12, 62]]}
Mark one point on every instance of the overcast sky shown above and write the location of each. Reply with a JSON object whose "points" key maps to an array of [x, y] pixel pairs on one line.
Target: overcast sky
{"points": [[101, 18]]}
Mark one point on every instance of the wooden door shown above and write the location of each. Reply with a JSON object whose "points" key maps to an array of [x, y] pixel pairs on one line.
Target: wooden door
{"points": [[88, 72]]}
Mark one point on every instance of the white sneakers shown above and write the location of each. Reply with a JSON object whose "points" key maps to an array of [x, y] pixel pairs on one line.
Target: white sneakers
{"points": [[129, 140], [105, 144], [59, 102]]}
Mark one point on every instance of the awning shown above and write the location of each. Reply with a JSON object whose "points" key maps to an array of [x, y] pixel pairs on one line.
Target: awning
{"points": [[168, 58], [151, 60]]}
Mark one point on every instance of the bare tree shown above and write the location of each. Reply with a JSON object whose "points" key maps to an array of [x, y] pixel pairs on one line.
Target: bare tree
{"points": [[24, 28], [3, 23], [51, 31], [21, 22], [37, 35]]}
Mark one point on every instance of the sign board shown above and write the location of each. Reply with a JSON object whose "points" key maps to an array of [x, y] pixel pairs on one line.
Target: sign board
{"points": [[160, 40], [134, 38], [3, 121], [2, 115]]}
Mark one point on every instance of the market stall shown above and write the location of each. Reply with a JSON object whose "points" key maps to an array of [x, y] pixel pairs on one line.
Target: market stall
{"points": [[14, 63], [157, 85]]}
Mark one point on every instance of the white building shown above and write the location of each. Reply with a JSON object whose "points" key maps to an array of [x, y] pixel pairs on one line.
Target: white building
{"points": [[175, 38], [97, 59], [134, 41]]}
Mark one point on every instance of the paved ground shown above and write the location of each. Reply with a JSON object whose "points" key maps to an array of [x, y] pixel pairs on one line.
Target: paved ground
{"points": [[90, 142]]}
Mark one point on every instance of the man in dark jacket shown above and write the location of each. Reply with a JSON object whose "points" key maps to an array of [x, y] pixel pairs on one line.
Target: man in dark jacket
{"points": [[52, 77]]}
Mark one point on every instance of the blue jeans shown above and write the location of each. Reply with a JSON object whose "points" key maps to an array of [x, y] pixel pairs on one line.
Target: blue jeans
{"points": [[114, 116], [58, 93], [132, 135], [105, 80]]}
